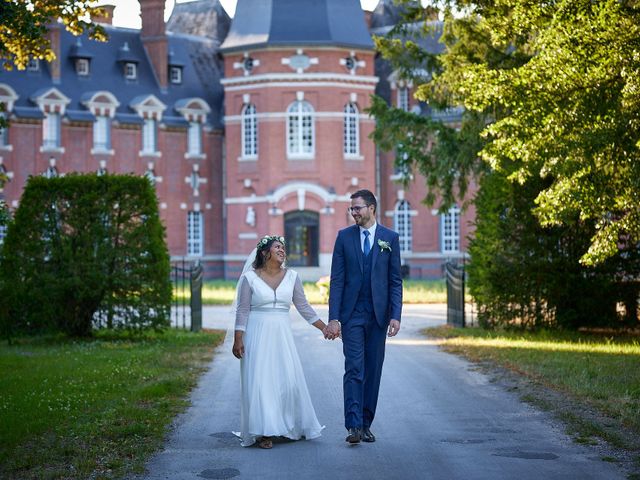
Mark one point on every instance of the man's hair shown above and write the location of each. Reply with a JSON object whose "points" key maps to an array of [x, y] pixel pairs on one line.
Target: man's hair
{"points": [[368, 197]]}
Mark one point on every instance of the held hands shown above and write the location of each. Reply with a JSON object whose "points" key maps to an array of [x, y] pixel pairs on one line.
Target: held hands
{"points": [[332, 330]]}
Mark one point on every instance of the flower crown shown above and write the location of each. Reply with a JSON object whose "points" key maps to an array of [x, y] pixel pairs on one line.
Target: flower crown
{"points": [[267, 238]]}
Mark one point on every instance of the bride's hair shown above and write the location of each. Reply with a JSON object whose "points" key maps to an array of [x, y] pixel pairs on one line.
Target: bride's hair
{"points": [[262, 254]]}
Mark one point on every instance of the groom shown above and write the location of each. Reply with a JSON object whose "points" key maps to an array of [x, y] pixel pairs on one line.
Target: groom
{"points": [[365, 302]]}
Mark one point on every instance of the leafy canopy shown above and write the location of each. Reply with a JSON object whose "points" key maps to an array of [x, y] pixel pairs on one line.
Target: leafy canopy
{"points": [[24, 25]]}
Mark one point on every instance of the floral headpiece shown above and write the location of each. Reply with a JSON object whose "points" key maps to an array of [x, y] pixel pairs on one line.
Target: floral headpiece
{"points": [[267, 238]]}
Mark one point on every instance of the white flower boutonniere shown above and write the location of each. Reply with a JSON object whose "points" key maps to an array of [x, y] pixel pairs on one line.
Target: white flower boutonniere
{"points": [[384, 245]]}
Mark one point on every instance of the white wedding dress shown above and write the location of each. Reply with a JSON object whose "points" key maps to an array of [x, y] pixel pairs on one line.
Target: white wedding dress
{"points": [[275, 400]]}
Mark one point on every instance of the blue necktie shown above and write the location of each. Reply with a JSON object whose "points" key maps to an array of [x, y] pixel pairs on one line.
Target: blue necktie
{"points": [[366, 248]]}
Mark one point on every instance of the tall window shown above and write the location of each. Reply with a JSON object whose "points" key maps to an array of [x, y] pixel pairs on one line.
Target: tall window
{"points": [[102, 133], [51, 130], [249, 131], [351, 134], [450, 230], [403, 98], [402, 225], [195, 234], [149, 136], [4, 130], [3, 233], [300, 129], [195, 138]]}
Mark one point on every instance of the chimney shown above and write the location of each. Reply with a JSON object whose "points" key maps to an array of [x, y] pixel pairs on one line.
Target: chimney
{"points": [[107, 15], [154, 37], [367, 18], [54, 39]]}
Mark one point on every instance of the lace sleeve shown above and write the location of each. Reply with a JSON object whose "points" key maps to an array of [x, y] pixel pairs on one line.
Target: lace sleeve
{"points": [[300, 301], [244, 305]]}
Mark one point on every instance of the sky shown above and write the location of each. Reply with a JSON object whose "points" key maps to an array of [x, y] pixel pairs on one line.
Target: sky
{"points": [[127, 12]]}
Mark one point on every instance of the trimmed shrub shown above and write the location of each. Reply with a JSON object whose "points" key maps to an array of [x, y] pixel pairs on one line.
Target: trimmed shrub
{"points": [[85, 250]]}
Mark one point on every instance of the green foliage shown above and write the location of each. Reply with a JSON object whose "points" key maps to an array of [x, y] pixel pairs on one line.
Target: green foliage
{"points": [[83, 248], [24, 25], [525, 275], [550, 133]]}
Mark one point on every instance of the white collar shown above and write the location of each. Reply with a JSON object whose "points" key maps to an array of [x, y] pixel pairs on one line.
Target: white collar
{"points": [[371, 229]]}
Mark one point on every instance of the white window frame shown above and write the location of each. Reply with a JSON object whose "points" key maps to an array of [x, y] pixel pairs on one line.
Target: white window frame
{"points": [[82, 66], [149, 137], [194, 139], [130, 71], [175, 75], [403, 98], [195, 234], [102, 134], [249, 134], [403, 225], [450, 230], [300, 130], [51, 131], [351, 131]]}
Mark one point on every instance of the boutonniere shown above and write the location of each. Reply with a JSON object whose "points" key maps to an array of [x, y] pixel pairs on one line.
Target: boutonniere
{"points": [[384, 245]]}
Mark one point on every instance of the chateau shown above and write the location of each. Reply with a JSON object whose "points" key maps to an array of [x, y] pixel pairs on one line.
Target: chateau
{"points": [[246, 126]]}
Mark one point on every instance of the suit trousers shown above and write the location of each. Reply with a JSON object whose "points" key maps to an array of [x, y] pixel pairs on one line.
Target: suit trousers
{"points": [[363, 344]]}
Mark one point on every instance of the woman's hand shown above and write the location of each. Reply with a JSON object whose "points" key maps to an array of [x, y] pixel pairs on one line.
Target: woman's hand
{"points": [[238, 346]]}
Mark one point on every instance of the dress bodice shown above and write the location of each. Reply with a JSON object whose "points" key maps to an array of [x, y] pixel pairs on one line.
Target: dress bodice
{"points": [[254, 294]]}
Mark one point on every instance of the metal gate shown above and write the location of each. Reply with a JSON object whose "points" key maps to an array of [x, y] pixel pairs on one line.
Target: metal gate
{"points": [[455, 294], [186, 308]]}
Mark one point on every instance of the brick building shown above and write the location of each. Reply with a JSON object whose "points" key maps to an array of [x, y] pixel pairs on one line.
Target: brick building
{"points": [[247, 126]]}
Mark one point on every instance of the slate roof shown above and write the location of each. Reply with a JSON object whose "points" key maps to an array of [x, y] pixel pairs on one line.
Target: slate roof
{"points": [[263, 23], [202, 18], [201, 75]]}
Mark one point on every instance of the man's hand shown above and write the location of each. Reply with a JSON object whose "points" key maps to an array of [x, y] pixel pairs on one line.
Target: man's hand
{"points": [[332, 330], [394, 328]]}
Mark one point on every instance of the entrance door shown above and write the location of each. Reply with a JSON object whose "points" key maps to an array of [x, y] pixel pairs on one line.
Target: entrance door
{"points": [[303, 237]]}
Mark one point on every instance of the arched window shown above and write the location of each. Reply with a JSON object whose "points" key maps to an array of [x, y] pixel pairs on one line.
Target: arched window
{"points": [[402, 225], [194, 139], [249, 131], [300, 141], [351, 131], [450, 230]]}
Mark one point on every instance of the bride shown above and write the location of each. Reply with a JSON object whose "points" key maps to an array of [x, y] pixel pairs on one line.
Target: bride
{"points": [[274, 396]]}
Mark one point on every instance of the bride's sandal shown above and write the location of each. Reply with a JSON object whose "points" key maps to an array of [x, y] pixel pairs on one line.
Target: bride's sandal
{"points": [[265, 442]]}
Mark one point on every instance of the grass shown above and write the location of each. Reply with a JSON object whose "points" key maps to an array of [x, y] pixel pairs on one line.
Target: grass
{"points": [[222, 292], [596, 371], [96, 408]]}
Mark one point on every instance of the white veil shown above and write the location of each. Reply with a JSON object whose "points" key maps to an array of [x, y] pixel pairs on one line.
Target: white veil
{"points": [[248, 265]]}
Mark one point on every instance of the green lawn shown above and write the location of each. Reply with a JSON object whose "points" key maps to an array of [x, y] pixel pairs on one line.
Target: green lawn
{"points": [[93, 408], [602, 372], [221, 292]]}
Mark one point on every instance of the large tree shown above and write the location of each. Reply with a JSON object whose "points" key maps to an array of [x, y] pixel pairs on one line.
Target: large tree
{"points": [[558, 87], [550, 131], [24, 24]]}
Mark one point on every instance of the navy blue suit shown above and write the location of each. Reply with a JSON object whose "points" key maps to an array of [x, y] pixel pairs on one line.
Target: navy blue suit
{"points": [[365, 294]]}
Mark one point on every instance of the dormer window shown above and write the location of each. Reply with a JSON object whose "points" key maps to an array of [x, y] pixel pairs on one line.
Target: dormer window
{"points": [[130, 71], [82, 67], [33, 65], [175, 75]]}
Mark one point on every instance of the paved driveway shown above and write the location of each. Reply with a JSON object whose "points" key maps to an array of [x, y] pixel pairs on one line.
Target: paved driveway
{"points": [[437, 418]]}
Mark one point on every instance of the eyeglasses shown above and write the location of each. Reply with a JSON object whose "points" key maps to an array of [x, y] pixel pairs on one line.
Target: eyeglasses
{"points": [[357, 208]]}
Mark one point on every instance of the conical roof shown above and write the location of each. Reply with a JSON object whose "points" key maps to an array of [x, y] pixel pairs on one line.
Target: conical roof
{"points": [[263, 23]]}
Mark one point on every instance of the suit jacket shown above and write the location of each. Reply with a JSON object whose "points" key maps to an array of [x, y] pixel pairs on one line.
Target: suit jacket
{"points": [[346, 275]]}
